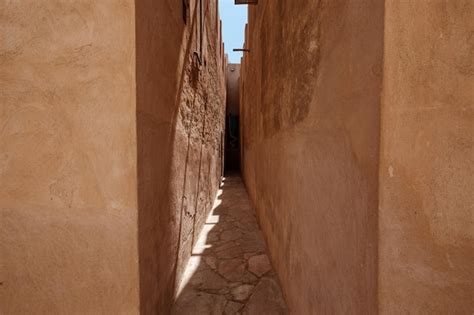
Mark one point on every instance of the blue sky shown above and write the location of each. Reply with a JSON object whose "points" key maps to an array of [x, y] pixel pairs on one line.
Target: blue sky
{"points": [[233, 19]]}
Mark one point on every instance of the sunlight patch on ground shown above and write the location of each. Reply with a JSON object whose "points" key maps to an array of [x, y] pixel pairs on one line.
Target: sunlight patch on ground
{"points": [[201, 244]]}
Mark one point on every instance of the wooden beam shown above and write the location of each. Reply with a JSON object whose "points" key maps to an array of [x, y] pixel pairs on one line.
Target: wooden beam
{"points": [[237, 2], [241, 49]]}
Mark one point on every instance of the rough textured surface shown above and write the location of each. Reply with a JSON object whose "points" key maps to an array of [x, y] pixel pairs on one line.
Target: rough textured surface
{"points": [[259, 265], [68, 204], [180, 111], [111, 128], [160, 31], [426, 163], [107, 118], [232, 241], [310, 133], [197, 149], [232, 88]]}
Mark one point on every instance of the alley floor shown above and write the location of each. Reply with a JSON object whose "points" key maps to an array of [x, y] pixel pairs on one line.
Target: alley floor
{"points": [[229, 271]]}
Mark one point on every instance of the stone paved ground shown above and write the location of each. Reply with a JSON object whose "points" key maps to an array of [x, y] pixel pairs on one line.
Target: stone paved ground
{"points": [[229, 271]]}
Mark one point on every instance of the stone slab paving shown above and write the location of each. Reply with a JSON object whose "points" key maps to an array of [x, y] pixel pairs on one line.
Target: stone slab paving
{"points": [[229, 271]]}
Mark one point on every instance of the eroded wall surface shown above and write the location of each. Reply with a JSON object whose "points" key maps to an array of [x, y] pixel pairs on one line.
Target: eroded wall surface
{"points": [[160, 50], [180, 113], [111, 121], [426, 162], [68, 204], [198, 138], [310, 134]]}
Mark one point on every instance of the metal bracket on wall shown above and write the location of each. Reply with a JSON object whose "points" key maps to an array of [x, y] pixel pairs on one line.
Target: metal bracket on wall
{"points": [[237, 2], [241, 49]]}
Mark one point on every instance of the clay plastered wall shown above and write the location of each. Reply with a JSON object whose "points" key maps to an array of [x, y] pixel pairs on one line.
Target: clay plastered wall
{"points": [[311, 96], [180, 112], [161, 46], [426, 171], [197, 148], [68, 207]]}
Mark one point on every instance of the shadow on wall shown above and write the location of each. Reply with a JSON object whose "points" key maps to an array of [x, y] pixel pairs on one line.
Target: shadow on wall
{"points": [[232, 123], [232, 143], [229, 270], [156, 119]]}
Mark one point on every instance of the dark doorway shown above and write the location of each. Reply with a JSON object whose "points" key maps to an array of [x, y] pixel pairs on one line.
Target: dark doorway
{"points": [[232, 130], [232, 143]]}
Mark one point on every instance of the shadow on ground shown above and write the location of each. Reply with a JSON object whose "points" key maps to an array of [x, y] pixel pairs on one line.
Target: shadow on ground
{"points": [[229, 271]]}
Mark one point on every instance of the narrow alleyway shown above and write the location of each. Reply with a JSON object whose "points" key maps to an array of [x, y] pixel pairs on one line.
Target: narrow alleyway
{"points": [[349, 123], [229, 271]]}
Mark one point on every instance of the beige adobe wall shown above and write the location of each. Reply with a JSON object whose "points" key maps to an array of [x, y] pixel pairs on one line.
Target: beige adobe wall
{"points": [[310, 126], [180, 114], [232, 145], [197, 139], [68, 201], [160, 49], [312, 171], [98, 98], [232, 88], [426, 162]]}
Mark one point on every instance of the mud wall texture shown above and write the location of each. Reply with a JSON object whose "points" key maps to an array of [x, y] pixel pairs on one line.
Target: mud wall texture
{"points": [[364, 200], [111, 120], [68, 201], [310, 100], [198, 136], [426, 161], [180, 120], [232, 88]]}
